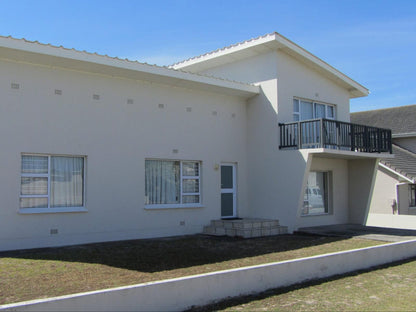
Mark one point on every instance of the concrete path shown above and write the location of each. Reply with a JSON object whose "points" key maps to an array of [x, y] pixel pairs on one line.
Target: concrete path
{"points": [[361, 231]]}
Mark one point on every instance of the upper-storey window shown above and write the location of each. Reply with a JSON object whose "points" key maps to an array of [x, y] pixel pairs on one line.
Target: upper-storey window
{"points": [[304, 110]]}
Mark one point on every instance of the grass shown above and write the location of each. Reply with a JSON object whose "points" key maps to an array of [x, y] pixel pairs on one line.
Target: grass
{"points": [[385, 288], [57, 271]]}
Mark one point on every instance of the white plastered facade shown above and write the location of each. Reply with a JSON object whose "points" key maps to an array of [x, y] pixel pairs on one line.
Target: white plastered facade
{"points": [[180, 117]]}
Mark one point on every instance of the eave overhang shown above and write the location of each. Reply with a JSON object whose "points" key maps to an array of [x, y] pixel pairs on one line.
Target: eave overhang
{"points": [[22, 51], [340, 154], [267, 43]]}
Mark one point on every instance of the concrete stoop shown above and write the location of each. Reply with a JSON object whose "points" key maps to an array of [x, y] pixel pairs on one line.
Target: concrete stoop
{"points": [[246, 228]]}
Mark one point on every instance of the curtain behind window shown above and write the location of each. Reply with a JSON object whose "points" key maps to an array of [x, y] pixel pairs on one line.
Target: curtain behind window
{"points": [[162, 184], [67, 174]]}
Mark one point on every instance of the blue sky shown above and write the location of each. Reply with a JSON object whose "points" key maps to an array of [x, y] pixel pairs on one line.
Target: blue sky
{"points": [[373, 42]]}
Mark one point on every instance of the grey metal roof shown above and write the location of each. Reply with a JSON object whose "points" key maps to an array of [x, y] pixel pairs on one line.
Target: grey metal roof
{"points": [[400, 119], [404, 162]]}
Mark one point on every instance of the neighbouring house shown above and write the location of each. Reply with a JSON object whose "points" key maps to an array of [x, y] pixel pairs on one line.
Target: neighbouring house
{"points": [[96, 148], [395, 185]]}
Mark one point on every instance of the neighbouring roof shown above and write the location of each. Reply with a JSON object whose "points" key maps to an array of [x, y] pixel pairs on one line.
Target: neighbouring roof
{"points": [[270, 42], [404, 162], [401, 120], [22, 50]]}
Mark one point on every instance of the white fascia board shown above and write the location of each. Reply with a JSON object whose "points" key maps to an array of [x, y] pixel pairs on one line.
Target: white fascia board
{"points": [[272, 41], [396, 173], [33, 52], [404, 135]]}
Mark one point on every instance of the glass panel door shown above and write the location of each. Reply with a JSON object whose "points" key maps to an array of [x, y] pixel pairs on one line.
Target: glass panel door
{"points": [[228, 191]]}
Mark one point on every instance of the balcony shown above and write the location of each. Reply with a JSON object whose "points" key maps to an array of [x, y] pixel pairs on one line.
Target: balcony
{"points": [[332, 134]]}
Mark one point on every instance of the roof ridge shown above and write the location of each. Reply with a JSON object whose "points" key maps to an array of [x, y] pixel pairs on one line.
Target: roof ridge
{"points": [[383, 109], [224, 48], [61, 47]]}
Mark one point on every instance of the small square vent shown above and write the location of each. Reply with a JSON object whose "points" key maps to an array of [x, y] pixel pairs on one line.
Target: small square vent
{"points": [[15, 86]]}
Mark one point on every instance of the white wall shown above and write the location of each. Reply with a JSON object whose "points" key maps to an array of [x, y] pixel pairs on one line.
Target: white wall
{"points": [[116, 138], [361, 179], [338, 197], [297, 80], [384, 192], [276, 176]]}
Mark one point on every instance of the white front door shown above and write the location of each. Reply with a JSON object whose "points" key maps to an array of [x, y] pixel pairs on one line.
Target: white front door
{"points": [[228, 191]]}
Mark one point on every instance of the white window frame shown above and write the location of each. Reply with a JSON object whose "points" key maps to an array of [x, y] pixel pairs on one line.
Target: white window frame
{"points": [[49, 209], [412, 195], [299, 113], [327, 195], [181, 192]]}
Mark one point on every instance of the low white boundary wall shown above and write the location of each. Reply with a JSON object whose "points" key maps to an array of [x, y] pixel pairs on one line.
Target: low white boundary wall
{"points": [[181, 293], [392, 221]]}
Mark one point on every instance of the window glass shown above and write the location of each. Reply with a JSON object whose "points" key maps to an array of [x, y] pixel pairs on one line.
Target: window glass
{"points": [[319, 110], [412, 195], [34, 186], [67, 180], [36, 202], [190, 169], [190, 199], [34, 164], [166, 184], [306, 110], [316, 194], [52, 182], [227, 177], [330, 112], [190, 186], [296, 105], [162, 182]]}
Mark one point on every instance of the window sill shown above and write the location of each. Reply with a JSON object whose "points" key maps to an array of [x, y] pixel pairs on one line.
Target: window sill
{"points": [[173, 206], [316, 214], [51, 210]]}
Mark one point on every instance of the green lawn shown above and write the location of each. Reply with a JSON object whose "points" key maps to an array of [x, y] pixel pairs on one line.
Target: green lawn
{"points": [[58, 271], [387, 288]]}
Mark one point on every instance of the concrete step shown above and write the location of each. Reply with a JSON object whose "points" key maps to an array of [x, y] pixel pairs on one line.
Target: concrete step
{"points": [[246, 228]]}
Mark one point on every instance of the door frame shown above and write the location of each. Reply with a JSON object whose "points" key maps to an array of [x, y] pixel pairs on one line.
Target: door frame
{"points": [[231, 190]]}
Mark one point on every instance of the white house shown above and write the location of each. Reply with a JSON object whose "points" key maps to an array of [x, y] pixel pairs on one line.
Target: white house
{"points": [[395, 185], [96, 148]]}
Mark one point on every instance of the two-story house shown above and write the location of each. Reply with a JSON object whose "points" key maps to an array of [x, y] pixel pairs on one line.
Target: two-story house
{"points": [[96, 148], [395, 185]]}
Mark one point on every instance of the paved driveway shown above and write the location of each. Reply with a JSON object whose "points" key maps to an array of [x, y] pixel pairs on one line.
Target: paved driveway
{"points": [[361, 231]]}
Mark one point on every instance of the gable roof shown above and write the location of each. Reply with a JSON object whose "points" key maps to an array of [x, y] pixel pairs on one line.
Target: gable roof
{"points": [[401, 120], [22, 50], [403, 163], [270, 42]]}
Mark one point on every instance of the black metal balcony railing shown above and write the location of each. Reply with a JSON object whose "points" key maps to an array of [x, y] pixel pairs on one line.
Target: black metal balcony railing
{"points": [[333, 134]]}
